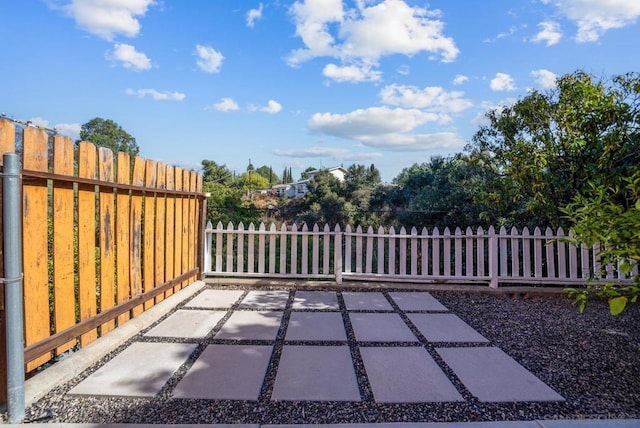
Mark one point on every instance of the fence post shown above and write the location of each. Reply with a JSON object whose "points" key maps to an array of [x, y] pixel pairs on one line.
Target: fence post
{"points": [[206, 257], [493, 258], [337, 254], [12, 232]]}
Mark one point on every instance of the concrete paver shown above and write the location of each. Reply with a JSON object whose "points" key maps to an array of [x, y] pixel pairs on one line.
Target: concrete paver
{"points": [[493, 376], [316, 326], [367, 301], [265, 299], [380, 327], [319, 373], [406, 375], [226, 372], [251, 325], [416, 301], [327, 300], [445, 328], [191, 324], [141, 370], [215, 299]]}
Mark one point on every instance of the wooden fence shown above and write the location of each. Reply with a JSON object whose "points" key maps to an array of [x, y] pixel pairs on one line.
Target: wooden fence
{"points": [[104, 239], [516, 257]]}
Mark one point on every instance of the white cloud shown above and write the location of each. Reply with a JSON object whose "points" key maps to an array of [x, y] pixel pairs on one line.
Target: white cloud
{"points": [[209, 60], [253, 15], [330, 152], [549, 33], [351, 73], [39, 121], [502, 82], [595, 17], [107, 18], [156, 95], [433, 98], [404, 70], [129, 57], [383, 127], [460, 79], [366, 33], [71, 130], [544, 78], [226, 104], [272, 107]]}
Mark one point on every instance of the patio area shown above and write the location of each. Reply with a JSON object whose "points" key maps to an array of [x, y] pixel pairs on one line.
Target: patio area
{"points": [[288, 355]]}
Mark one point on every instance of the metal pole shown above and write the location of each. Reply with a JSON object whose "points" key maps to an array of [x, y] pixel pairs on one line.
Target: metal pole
{"points": [[12, 232]]}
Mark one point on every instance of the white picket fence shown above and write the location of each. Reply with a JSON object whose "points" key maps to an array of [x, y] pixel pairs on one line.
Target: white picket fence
{"points": [[516, 257]]}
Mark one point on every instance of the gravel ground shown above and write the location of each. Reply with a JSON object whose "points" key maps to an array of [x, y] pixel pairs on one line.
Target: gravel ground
{"points": [[591, 359]]}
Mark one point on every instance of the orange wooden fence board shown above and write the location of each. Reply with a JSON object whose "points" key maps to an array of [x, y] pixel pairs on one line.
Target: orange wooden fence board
{"points": [[63, 240], [178, 237], [87, 238], [136, 233], [148, 256], [107, 236], [170, 230], [123, 255], [186, 239], [160, 226], [35, 245]]}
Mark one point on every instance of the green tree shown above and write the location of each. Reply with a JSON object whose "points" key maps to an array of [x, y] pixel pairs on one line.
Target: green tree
{"points": [[214, 173], [548, 146], [251, 181], [227, 204], [107, 133], [267, 172]]}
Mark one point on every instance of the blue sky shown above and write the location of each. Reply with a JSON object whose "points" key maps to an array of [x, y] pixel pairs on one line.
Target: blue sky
{"points": [[299, 83]]}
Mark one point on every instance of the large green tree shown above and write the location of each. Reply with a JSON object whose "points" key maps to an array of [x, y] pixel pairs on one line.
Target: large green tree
{"points": [[107, 133], [215, 173], [549, 145]]}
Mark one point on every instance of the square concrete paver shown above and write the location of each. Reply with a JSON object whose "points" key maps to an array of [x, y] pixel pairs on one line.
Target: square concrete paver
{"points": [[250, 325], [316, 373], [265, 299], [445, 328], [380, 328], [406, 375], [367, 301], [187, 323], [417, 301], [226, 372], [493, 376], [215, 299], [141, 370], [316, 326], [316, 300]]}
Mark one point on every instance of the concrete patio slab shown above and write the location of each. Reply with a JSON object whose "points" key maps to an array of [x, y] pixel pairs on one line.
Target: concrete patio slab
{"points": [[507, 424], [369, 301], [380, 328], [417, 301], [318, 373], [406, 375], [141, 370], [493, 376], [226, 372], [445, 328], [215, 299], [316, 326], [192, 324], [265, 299], [590, 423], [327, 300], [250, 325]]}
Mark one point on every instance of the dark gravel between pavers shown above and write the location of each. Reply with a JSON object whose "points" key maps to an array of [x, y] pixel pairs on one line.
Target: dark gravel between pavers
{"points": [[591, 359]]}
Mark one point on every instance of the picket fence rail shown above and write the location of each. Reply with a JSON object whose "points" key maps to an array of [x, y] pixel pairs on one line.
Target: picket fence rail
{"points": [[482, 256]]}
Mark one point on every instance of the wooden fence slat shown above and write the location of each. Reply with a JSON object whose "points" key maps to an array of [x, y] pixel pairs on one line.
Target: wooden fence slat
{"points": [[283, 248], [261, 248], [305, 250], [503, 251], [526, 253], [187, 245], [392, 251], [137, 234], [468, 252], [160, 228], [123, 225], [194, 221], [35, 251], [368, 268], [480, 251], [63, 240], [424, 246], [107, 237], [250, 249], [219, 242], [315, 250], [170, 222], [87, 238], [537, 252], [403, 251], [515, 253], [149, 223], [447, 251], [436, 252], [272, 248], [414, 251], [294, 249], [177, 226], [347, 249], [550, 253], [326, 249], [381, 259], [240, 266], [457, 242], [229, 262], [359, 239]]}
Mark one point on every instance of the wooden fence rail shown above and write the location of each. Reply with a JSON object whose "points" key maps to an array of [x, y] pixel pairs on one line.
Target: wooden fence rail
{"points": [[514, 256], [104, 238]]}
